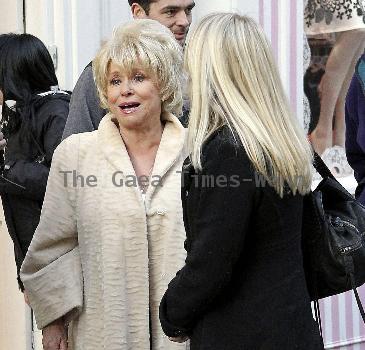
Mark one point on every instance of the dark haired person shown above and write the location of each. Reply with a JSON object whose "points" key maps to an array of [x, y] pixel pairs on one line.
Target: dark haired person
{"points": [[85, 111], [34, 113]]}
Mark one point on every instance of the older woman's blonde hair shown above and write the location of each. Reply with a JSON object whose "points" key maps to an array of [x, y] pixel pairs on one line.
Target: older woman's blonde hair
{"points": [[143, 44], [235, 82]]}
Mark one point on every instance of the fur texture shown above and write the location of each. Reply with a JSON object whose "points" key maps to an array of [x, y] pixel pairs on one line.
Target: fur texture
{"points": [[100, 255]]}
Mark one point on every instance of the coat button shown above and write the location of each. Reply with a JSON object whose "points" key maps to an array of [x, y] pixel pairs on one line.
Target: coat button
{"points": [[160, 212]]}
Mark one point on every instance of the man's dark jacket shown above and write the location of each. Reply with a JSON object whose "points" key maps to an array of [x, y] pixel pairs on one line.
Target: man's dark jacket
{"points": [[27, 161]]}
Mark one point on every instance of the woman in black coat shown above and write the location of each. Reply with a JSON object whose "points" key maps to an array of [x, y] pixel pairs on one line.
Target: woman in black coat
{"points": [[243, 284], [34, 113]]}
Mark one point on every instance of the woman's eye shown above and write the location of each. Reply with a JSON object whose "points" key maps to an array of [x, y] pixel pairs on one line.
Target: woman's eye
{"points": [[139, 78], [115, 81]]}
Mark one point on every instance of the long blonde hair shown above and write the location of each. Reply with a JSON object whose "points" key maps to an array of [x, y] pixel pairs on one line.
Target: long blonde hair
{"points": [[235, 82]]}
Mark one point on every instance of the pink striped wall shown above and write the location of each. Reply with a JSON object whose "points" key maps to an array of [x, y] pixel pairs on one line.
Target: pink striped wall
{"points": [[279, 18], [343, 327], [274, 27], [293, 52], [282, 20]]}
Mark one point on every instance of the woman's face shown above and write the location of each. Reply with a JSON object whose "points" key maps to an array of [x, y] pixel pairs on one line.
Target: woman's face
{"points": [[133, 98]]}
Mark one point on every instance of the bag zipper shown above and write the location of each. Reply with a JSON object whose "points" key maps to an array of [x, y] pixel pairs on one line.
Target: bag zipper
{"points": [[338, 222]]}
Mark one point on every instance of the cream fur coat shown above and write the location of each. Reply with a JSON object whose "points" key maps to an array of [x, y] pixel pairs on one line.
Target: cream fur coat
{"points": [[100, 255]]}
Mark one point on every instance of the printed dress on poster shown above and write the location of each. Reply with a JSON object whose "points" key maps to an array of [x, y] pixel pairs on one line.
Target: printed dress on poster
{"points": [[328, 16]]}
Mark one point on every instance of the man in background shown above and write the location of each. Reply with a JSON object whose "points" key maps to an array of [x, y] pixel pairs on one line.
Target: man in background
{"points": [[85, 111]]}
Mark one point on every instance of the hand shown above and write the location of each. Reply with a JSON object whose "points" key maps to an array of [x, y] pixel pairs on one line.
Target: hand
{"points": [[2, 141], [55, 336], [181, 339]]}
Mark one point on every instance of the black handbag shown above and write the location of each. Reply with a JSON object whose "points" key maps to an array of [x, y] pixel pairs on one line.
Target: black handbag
{"points": [[333, 240]]}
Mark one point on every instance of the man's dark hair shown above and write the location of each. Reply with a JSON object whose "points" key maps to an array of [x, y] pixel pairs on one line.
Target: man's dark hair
{"points": [[145, 4]]}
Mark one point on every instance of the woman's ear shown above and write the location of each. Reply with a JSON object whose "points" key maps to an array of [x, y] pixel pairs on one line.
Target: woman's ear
{"points": [[138, 12]]}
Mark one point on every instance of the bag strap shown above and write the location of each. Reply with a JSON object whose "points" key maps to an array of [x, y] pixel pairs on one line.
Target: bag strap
{"points": [[317, 311], [358, 301], [349, 267], [321, 167], [317, 315]]}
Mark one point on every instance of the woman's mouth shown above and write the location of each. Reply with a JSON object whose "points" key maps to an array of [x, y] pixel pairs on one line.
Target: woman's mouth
{"points": [[128, 108]]}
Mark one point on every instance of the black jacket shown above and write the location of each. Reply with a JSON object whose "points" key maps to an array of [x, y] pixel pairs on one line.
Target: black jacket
{"points": [[28, 156], [243, 284]]}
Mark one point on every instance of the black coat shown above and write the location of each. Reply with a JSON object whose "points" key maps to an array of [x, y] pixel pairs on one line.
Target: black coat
{"points": [[243, 284], [27, 161]]}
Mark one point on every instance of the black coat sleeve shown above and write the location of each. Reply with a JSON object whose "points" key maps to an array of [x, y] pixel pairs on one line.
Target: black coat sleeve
{"points": [[222, 221], [29, 178]]}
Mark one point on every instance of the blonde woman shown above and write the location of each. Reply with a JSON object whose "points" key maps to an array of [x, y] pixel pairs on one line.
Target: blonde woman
{"points": [[243, 284], [111, 232]]}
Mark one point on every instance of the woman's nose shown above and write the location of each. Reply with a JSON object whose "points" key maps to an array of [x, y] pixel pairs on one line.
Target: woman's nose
{"points": [[127, 89]]}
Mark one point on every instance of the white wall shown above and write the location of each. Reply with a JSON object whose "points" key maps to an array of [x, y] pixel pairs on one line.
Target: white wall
{"points": [[11, 16], [15, 333], [76, 28]]}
